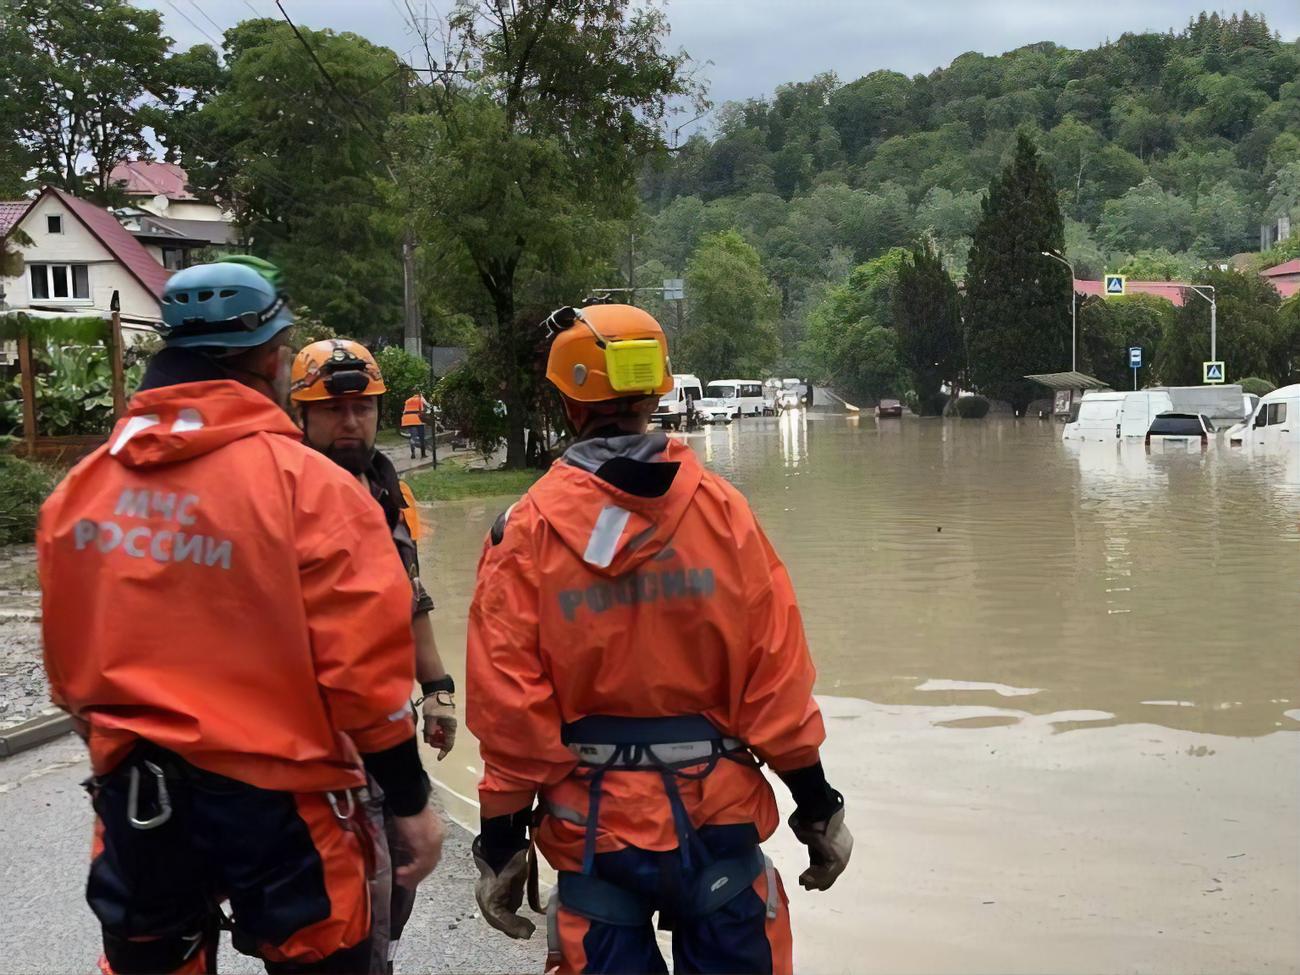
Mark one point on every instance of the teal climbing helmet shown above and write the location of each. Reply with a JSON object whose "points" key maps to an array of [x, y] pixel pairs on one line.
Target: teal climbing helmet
{"points": [[225, 305]]}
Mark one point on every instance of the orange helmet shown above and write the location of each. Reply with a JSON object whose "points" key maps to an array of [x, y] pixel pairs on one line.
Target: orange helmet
{"points": [[606, 352], [333, 368]]}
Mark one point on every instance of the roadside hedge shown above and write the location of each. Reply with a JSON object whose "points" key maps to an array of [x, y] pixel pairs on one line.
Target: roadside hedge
{"points": [[23, 486]]}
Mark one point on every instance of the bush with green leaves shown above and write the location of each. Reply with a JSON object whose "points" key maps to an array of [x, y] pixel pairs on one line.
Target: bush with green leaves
{"points": [[23, 486], [74, 391], [404, 375], [972, 407], [471, 407], [1256, 386]]}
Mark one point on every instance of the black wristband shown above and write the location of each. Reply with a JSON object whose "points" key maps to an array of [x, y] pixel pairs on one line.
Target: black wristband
{"points": [[443, 683], [502, 837], [400, 774], [813, 796]]}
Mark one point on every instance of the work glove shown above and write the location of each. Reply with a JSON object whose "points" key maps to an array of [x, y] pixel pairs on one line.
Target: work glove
{"points": [[500, 895], [439, 710], [830, 844]]}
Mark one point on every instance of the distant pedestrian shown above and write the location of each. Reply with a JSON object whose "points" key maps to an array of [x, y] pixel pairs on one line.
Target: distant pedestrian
{"points": [[807, 394], [414, 412]]}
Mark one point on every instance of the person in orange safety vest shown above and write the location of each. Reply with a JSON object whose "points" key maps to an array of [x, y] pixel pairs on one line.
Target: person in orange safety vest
{"points": [[634, 651], [227, 621], [414, 411]]}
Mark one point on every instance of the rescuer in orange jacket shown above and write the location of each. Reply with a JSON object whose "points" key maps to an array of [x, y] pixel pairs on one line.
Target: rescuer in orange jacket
{"points": [[414, 411], [225, 617], [634, 650], [337, 385]]}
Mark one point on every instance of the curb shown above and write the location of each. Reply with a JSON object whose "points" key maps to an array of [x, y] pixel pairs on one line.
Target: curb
{"points": [[33, 732]]}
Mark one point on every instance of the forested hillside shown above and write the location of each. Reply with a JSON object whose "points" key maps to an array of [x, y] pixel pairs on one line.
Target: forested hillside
{"points": [[1167, 150]]}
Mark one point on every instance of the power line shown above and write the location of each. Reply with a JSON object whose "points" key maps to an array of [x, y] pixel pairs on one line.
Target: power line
{"points": [[190, 21], [361, 121], [195, 5]]}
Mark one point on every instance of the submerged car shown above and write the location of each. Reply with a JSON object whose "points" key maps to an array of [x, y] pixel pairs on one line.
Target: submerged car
{"points": [[889, 408], [1180, 430]]}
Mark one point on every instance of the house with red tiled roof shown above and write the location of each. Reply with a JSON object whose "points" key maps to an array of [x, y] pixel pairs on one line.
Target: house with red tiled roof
{"points": [[77, 257], [1284, 277], [163, 190]]}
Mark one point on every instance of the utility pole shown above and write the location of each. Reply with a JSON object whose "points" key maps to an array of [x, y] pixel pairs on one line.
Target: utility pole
{"points": [[412, 326]]}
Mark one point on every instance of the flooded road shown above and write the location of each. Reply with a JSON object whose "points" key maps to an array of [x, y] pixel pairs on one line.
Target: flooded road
{"points": [[1062, 686]]}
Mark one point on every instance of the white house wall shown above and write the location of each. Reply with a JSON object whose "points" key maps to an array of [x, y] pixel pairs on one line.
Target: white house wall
{"points": [[77, 245]]}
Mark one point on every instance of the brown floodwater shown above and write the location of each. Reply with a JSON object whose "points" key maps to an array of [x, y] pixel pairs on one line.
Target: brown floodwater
{"points": [[1062, 685]]}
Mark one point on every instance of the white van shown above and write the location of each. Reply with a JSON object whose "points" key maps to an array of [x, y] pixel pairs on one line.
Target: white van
{"points": [[679, 401], [726, 399], [1111, 416], [1275, 422]]}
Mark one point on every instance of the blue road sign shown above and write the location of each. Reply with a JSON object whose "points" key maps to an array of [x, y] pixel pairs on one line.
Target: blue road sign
{"points": [[1135, 357], [1114, 286], [1212, 372]]}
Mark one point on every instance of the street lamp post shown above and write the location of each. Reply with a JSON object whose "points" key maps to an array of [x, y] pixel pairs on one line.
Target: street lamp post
{"points": [[1214, 307], [1074, 301]]}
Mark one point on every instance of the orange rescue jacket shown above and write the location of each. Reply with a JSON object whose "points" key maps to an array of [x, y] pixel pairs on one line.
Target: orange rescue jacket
{"points": [[596, 601], [216, 587]]}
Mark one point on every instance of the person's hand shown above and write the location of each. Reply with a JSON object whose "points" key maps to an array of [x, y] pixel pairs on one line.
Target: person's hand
{"points": [[500, 895], [830, 844], [420, 838], [439, 710]]}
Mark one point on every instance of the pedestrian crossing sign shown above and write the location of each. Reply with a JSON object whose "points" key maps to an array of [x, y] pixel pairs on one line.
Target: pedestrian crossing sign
{"points": [[1212, 372], [1114, 286]]}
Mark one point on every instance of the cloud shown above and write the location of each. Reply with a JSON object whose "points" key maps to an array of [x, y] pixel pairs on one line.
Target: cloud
{"points": [[755, 45]]}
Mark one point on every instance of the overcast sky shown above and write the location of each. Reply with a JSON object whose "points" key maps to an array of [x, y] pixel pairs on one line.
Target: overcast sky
{"points": [[755, 45]]}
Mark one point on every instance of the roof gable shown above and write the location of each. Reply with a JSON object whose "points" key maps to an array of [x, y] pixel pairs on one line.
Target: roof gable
{"points": [[104, 227]]}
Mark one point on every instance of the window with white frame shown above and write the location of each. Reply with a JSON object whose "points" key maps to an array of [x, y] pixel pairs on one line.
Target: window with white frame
{"points": [[59, 282]]}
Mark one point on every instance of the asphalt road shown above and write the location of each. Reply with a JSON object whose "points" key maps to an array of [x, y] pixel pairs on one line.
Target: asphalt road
{"points": [[45, 825]]}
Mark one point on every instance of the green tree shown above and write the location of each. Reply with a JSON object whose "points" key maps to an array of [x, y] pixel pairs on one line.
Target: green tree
{"points": [[1286, 354], [518, 167], [733, 310], [1109, 327], [306, 180], [1160, 265], [850, 339], [1147, 217], [83, 74], [927, 317], [1017, 312], [1250, 339]]}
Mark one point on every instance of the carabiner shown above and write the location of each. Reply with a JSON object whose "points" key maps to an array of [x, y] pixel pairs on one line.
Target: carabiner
{"points": [[342, 817], [133, 798]]}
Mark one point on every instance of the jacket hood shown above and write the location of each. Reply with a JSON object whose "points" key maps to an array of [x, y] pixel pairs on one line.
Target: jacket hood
{"points": [[176, 423], [596, 498]]}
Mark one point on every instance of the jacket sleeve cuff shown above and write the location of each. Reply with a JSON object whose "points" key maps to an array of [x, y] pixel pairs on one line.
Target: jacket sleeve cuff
{"points": [[400, 774], [793, 760], [504, 803]]}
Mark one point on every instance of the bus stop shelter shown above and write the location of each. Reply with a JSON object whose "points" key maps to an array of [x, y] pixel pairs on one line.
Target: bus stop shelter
{"points": [[1067, 389]]}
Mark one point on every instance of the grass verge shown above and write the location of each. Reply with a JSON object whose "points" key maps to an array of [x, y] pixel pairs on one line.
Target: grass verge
{"points": [[451, 482]]}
